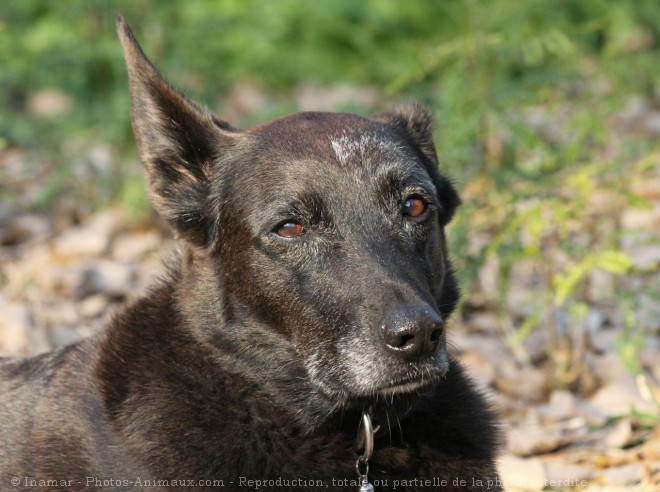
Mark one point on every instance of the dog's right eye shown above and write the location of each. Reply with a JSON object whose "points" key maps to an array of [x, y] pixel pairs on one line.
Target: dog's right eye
{"points": [[289, 229]]}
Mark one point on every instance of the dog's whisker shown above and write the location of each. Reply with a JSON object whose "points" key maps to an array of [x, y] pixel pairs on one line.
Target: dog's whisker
{"points": [[389, 426]]}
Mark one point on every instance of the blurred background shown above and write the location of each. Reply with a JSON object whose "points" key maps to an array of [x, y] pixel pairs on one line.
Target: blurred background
{"points": [[547, 119]]}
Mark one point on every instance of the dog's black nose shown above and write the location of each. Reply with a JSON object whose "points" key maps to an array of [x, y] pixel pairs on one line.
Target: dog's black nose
{"points": [[412, 332]]}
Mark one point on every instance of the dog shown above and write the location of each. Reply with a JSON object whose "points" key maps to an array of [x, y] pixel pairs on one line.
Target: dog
{"points": [[310, 292]]}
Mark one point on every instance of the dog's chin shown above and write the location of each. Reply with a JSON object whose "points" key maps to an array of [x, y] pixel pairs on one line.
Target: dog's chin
{"points": [[414, 381], [403, 388]]}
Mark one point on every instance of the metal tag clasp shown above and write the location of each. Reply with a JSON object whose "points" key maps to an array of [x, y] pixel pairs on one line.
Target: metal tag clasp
{"points": [[362, 465]]}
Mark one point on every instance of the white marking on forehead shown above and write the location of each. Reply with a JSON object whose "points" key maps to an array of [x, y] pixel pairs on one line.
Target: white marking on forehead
{"points": [[347, 148]]}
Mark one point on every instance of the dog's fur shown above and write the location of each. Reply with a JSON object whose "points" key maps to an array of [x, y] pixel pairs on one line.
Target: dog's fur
{"points": [[258, 354]]}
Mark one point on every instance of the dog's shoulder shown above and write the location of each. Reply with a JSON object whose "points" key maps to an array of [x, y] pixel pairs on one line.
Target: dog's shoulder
{"points": [[32, 377], [50, 407]]}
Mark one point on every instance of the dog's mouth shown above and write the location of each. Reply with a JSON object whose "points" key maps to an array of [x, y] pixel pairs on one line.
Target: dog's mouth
{"points": [[404, 387], [415, 381]]}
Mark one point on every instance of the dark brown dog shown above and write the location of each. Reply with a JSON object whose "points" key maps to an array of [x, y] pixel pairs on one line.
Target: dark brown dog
{"points": [[312, 285]]}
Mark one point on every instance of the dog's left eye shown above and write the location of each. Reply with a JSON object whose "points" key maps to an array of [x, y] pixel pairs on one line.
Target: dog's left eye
{"points": [[414, 206], [289, 229]]}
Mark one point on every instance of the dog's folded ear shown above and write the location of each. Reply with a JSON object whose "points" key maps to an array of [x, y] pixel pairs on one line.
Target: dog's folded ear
{"points": [[415, 123], [179, 144]]}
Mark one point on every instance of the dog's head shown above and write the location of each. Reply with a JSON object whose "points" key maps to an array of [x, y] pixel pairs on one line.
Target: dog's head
{"points": [[322, 232]]}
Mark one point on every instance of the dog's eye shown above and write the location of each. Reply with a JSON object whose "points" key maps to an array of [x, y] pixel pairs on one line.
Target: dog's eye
{"points": [[414, 206], [289, 229]]}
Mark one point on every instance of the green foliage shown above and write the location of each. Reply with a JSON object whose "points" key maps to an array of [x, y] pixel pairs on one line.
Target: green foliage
{"points": [[566, 282]]}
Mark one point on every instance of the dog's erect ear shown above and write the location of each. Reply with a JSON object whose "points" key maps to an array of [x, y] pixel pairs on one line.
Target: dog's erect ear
{"points": [[178, 141], [415, 123]]}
